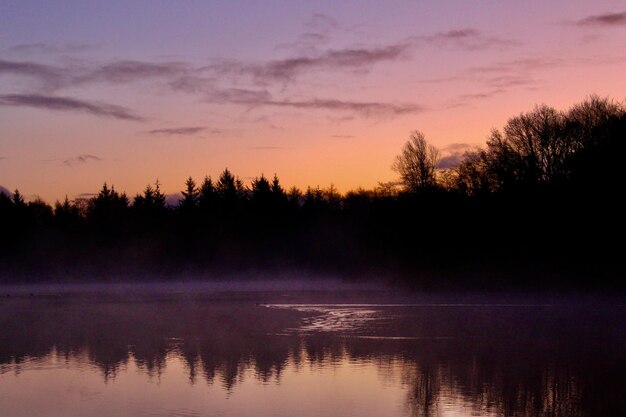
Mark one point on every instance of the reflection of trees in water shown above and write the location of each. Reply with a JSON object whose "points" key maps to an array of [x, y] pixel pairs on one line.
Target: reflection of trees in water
{"points": [[550, 391], [424, 389], [500, 373]]}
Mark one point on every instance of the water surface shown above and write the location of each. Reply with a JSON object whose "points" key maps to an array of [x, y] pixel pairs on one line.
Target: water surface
{"points": [[207, 352]]}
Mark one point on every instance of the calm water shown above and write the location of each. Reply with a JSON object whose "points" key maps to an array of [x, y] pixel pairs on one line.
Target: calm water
{"points": [[209, 352]]}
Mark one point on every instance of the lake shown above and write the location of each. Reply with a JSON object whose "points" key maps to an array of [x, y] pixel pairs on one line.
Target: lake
{"points": [[318, 350]]}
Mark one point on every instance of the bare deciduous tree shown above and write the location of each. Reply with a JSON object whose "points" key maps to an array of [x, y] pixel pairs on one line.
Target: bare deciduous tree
{"points": [[417, 163], [532, 148]]}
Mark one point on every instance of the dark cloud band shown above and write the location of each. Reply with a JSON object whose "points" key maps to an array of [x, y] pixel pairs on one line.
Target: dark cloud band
{"points": [[608, 19], [68, 104], [188, 130], [81, 159]]}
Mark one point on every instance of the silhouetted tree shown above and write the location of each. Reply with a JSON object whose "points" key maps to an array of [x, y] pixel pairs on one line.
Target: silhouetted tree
{"points": [[332, 197], [19, 210], [548, 147], [417, 163], [277, 190], [474, 175], [294, 197], [591, 122], [262, 196], [598, 128], [82, 205], [207, 194], [313, 199], [276, 187], [359, 199], [152, 202], [18, 200], [242, 192], [108, 208], [261, 188], [226, 186], [387, 189], [190, 196], [532, 149], [66, 213], [40, 212], [6, 203], [231, 193], [279, 198]]}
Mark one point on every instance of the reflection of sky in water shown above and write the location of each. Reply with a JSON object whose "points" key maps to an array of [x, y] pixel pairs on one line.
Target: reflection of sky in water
{"points": [[68, 386], [219, 357]]}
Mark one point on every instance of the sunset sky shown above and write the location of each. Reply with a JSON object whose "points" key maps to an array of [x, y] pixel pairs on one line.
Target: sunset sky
{"points": [[318, 92]]}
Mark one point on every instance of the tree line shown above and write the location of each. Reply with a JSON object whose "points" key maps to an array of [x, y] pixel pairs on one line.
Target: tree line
{"points": [[544, 147], [538, 205]]}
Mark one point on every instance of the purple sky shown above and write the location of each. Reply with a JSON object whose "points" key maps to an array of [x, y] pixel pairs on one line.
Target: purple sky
{"points": [[317, 92]]}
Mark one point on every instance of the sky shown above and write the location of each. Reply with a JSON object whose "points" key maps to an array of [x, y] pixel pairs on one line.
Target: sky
{"points": [[320, 93]]}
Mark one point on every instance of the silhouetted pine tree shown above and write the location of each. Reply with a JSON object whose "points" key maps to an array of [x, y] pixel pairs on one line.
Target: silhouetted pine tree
{"points": [[150, 205], [226, 187], [261, 193], [191, 194], [108, 208], [66, 214], [18, 200], [207, 195], [294, 197]]}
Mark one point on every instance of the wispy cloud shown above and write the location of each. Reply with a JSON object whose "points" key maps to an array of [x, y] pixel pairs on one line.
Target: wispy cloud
{"points": [[358, 58], [247, 83], [186, 77], [239, 96], [68, 104], [465, 38], [457, 147], [480, 96], [450, 161], [266, 122], [184, 131], [514, 73], [603, 20], [45, 48], [453, 154], [342, 136], [49, 76], [81, 159], [305, 43], [129, 71], [284, 70], [367, 109], [362, 58], [322, 22], [499, 77], [517, 65], [313, 38], [262, 98], [80, 73], [466, 99]]}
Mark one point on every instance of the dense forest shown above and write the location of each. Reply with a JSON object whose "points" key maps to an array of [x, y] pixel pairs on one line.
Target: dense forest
{"points": [[540, 206]]}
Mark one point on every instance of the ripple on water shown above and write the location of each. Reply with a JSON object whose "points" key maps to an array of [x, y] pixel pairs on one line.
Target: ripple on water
{"points": [[327, 318]]}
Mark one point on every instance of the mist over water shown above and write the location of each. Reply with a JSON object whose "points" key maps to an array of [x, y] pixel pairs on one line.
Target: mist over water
{"points": [[205, 350]]}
